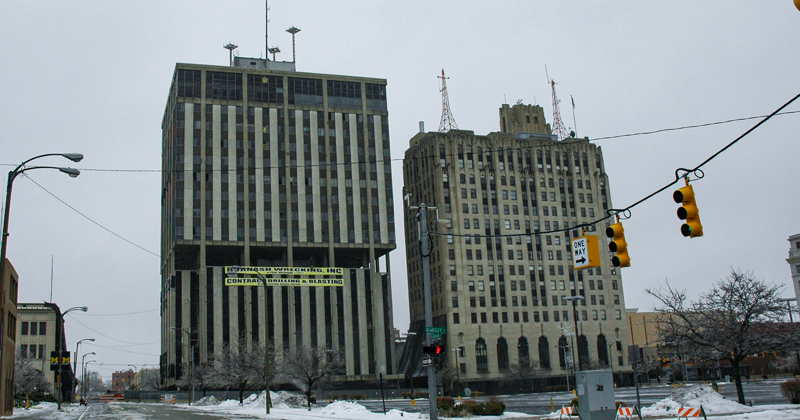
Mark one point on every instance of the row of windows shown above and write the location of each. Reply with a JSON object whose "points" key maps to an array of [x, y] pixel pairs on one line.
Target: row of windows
{"points": [[33, 328], [525, 359], [503, 317], [32, 351], [270, 89]]}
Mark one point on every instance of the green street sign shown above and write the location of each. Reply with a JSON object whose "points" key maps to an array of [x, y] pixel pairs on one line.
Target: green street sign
{"points": [[435, 336], [435, 330]]}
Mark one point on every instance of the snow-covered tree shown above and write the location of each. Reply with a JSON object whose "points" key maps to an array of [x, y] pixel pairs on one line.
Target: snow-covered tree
{"points": [[307, 365], [740, 316], [28, 379]]}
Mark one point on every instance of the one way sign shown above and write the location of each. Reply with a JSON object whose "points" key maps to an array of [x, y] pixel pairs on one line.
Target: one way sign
{"points": [[585, 252]]}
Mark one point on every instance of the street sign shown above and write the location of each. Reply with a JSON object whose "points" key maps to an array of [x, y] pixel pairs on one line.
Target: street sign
{"points": [[585, 252], [435, 336], [435, 330], [427, 361]]}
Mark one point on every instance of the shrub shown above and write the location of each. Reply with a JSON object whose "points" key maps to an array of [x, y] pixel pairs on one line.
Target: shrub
{"points": [[357, 397], [574, 402], [419, 395], [556, 388], [406, 394], [620, 404], [493, 407], [791, 390], [445, 403]]}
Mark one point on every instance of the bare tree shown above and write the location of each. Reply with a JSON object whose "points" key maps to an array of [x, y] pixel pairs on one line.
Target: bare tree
{"points": [[523, 373], [94, 382], [28, 379], [149, 379], [739, 316], [234, 365], [307, 365]]}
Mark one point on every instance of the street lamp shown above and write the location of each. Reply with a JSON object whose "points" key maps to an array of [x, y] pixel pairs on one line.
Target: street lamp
{"points": [[88, 386], [60, 345], [72, 172], [267, 399], [191, 361], [574, 300], [75, 363], [133, 382], [83, 372], [458, 379]]}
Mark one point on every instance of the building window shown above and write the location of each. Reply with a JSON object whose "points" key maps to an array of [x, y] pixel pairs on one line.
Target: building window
{"points": [[481, 357], [544, 353], [456, 319], [502, 354]]}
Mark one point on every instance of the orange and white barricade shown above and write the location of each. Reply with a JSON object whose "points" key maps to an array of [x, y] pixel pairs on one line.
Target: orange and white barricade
{"points": [[569, 412], [624, 413], [686, 412]]}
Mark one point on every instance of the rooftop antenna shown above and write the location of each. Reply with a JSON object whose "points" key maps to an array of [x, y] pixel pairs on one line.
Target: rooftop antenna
{"points": [[266, 27], [293, 30], [230, 47], [447, 122], [273, 51], [558, 125]]}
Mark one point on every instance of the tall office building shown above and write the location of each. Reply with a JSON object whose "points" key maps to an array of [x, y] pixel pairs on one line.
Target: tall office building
{"points": [[265, 166], [507, 205]]}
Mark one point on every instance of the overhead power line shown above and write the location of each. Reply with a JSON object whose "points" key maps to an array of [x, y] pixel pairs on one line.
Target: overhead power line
{"points": [[614, 212]]}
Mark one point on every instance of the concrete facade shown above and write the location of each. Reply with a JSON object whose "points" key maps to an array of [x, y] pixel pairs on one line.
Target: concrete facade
{"points": [[643, 330], [37, 333], [794, 264], [279, 169], [507, 207]]}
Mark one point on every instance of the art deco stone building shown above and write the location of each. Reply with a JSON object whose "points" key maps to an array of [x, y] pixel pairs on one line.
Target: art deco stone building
{"points": [[266, 166], [508, 203]]}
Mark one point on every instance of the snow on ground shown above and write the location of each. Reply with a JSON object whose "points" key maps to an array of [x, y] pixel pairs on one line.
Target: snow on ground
{"points": [[69, 411], [289, 406], [715, 404]]}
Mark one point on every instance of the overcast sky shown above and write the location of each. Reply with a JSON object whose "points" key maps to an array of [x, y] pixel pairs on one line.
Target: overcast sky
{"points": [[93, 77]]}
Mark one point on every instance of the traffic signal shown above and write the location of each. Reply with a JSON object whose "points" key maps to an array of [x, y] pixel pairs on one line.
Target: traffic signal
{"points": [[688, 211], [435, 350], [618, 245]]}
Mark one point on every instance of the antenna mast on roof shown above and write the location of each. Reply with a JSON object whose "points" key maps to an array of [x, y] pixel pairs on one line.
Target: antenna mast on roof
{"points": [[230, 47], [293, 30], [448, 122], [266, 30], [558, 125]]}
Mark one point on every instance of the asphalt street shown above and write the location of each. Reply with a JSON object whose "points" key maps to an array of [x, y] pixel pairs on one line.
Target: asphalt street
{"points": [[116, 411]]}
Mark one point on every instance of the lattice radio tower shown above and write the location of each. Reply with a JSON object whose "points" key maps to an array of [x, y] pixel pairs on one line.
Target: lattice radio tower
{"points": [[558, 125], [448, 122]]}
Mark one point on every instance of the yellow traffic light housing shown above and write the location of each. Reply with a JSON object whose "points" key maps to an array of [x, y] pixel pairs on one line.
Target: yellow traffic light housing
{"points": [[618, 245], [688, 211]]}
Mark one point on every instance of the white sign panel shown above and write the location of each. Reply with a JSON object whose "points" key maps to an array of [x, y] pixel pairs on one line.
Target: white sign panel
{"points": [[580, 253]]}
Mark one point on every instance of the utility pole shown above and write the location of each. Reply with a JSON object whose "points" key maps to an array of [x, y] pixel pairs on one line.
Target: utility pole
{"points": [[422, 226], [574, 300]]}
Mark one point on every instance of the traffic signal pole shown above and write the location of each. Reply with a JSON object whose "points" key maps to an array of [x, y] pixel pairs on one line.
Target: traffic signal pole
{"points": [[426, 281]]}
